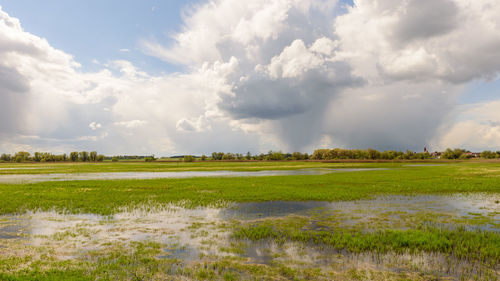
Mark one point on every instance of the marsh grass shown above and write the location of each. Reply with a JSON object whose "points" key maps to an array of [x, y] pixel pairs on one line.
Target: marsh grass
{"points": [[483, 246], [345, 235], [108, 196], [466, 254], [38, 168]]}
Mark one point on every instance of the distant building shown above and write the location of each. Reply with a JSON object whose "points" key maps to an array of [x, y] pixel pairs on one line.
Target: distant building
{"points": [[436, 154], [473, 154]]}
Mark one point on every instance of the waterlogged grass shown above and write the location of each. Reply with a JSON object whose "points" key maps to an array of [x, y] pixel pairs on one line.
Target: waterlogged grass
{"points": [[414, 232], [139, 261], [103, 167], [480, 246], [109, 196], [43, 168]]}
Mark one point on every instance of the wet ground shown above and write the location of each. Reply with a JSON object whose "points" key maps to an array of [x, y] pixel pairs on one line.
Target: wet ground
{"points": [[479, 211], [31, 178], [194, 236], [186, 232]]}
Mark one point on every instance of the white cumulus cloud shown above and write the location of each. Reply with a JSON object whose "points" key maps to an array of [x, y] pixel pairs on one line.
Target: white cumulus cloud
{"points": [[260, 75]]}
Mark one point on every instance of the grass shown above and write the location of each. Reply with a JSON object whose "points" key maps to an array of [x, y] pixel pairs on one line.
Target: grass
{"points": [[481, 246], [138, 262], [169, 166], [42, 168], [386, 232], [110, 196]]}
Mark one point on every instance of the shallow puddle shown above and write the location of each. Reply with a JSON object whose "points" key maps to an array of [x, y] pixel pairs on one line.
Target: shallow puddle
{"points": [[192, 235], [460, 207], [24, 168], [423, 165], [31, 178]]}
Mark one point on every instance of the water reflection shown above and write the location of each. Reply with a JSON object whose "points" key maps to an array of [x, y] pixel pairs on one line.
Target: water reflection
{"points": [[393, 206], [255, 210], [191, 234], [30, 178]]}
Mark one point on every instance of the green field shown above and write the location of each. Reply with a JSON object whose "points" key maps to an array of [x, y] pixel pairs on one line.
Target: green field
{"points": [[173, 166], [411, 221]]}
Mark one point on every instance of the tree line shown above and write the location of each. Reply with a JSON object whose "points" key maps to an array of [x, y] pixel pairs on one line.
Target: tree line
{"points": [[270, 156], [318, 154], [323, 154], [372, 154], [75, 156], [367, 154], [350, 154]]}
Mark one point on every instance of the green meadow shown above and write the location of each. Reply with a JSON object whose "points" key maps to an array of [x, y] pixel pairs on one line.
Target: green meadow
{"points": [[106, 197], [175, 166], [410, 221]]}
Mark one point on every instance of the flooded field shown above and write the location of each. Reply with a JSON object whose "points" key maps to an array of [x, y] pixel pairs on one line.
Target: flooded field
{"points": [[31, 178], [197, 236], [375, 222]]}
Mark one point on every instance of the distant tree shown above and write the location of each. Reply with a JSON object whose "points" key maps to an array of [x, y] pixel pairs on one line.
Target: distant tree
{"points": [[297, 156], [150, 159], [6, 157], [217, 155], [37, 156], [188, 158], [93, 156], [114, 159], [248, 156], [83, 156], [464, 156], [73, 156], [203, 157], [488, 154], [21, 156], [372, 154], [320, 154], [275, 155], [448, 154], [453, 154], [228, 156], [100, 158]]}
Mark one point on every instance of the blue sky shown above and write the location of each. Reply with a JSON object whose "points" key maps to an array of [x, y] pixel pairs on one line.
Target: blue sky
{"points": [[96, 29], [285, 75], [481, 91]]}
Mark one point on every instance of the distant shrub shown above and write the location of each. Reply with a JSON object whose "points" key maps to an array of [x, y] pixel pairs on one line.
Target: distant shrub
{"points": [[188, 158], [150, 159], [114, 159], [275, 156], [488, 154], [456, 153]]}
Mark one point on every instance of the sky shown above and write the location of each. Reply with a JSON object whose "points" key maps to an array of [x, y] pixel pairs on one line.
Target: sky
{"points": [[193, 77]]}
